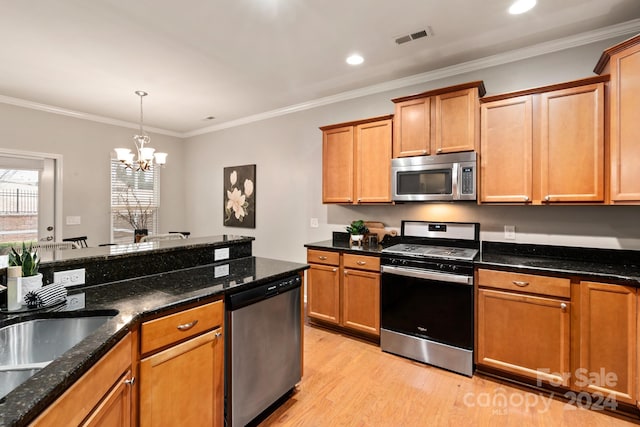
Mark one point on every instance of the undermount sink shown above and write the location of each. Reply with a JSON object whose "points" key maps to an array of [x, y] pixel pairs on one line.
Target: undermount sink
{"points": [[29, 346]]}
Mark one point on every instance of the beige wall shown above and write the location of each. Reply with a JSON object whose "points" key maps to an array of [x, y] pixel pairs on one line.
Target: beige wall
{"points": [[86, 147], [288, 153]]}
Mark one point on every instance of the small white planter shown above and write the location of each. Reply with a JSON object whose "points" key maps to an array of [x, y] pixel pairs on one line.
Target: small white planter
{"points": [[31, 283], [356, 239]]}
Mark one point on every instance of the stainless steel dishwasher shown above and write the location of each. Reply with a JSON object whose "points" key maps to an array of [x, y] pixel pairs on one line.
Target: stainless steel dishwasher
{"points": [[262, 348]]}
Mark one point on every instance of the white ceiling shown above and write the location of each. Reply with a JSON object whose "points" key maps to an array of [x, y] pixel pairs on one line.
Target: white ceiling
{"points": [[238, 58]]}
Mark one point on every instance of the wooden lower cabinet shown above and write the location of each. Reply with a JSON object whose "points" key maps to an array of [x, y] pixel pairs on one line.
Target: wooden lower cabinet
{"points": [[608, 347], [323, 293], [361, 301], [183, 385], [344, 291], [182, 369], [101, 397], [524, 334]]}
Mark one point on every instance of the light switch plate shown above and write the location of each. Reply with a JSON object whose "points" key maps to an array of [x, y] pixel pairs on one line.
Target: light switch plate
{"points": [[313, 223]]}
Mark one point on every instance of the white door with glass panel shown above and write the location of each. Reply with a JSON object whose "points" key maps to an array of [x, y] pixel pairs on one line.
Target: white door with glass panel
{"points": [[27, 198]]}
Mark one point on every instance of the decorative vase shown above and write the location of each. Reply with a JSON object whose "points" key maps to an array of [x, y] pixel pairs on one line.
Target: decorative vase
{"points": [[138, 233], [30, 283], [356, 239]]}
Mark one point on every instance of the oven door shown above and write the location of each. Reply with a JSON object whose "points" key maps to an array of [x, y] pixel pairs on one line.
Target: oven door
{"points": [[428, 304]]}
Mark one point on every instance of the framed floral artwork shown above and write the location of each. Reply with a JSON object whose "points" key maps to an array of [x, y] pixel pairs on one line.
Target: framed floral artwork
{"points": [[239, 196]]}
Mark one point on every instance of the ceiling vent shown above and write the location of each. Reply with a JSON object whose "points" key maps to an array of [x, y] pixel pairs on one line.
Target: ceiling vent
{"points": [[414, 36]]}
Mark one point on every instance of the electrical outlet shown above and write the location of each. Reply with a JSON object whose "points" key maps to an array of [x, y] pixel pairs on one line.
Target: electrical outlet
{"points": [[510, 232], [69, 277], [75, 301], [313, 223], [73, 220]]}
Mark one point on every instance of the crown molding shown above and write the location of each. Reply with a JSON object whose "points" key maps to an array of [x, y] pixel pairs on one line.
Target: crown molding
{"points": [[625, 28], [581, 39], [84, 116]]}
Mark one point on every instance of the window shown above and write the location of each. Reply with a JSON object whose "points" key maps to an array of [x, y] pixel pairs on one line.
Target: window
{"points": [[135, 199]]}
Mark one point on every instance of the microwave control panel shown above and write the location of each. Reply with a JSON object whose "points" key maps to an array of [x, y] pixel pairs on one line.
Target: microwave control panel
{"points": [[467, 180]]}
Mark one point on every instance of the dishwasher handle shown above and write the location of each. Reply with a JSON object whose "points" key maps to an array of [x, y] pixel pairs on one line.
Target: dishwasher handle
{"points": [[428, 275]]}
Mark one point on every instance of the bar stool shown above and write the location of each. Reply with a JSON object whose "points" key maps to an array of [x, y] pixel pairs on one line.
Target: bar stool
{"points": [[81, 241]]}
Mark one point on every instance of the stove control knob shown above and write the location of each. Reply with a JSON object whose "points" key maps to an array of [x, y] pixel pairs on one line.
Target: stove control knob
{"points": [[404, 262], [454, 268], [440, 266]]}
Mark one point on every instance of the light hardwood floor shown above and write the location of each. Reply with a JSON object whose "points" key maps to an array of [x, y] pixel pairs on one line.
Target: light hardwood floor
{"points": [[348, 382]]}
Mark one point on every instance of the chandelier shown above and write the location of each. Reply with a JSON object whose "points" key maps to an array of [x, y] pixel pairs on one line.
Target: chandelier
{"points": [[146, 155]]}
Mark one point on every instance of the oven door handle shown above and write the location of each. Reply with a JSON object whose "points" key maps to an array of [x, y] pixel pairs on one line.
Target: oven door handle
{"points": [[428, 275]]}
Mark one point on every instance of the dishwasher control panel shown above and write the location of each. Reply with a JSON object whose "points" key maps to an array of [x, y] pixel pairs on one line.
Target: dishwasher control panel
{"points": [[271, 289]]}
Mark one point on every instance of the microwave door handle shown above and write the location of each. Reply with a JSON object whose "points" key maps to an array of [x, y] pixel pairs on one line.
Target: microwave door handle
{"points": [[455, 179]]}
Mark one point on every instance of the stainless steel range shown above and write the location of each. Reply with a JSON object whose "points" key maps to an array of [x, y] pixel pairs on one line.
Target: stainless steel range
{"points": [[427, 294]]}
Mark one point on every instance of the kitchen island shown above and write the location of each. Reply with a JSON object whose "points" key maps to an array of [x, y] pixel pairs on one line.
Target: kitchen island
{"points": [[134, 300]]}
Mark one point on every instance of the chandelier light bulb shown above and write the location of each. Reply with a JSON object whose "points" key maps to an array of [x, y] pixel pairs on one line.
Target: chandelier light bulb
{"points": [[146, 155]]}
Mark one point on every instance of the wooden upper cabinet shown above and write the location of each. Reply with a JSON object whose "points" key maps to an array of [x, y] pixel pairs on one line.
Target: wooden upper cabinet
{"points": [[544, 145], [373, 162], [457, 120], [356, 161], [412, 130], [622, 61], [506, 149], [444, 120], [572, 145], [337, 165]]}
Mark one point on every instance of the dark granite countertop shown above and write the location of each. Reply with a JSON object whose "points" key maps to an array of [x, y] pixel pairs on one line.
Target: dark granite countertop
{"points": [[330, 245], [134, 300], [619, 266], [612, 265]]}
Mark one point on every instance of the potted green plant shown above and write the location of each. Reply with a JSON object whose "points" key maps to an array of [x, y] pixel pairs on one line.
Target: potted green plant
{"points": [[357, 230], [29, 262]]}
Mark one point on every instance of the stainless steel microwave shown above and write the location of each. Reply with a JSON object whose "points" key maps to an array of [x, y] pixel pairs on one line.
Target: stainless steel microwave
{"points": [[444, 177]]}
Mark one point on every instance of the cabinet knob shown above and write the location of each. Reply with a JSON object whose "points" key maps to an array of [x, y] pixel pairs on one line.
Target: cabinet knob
{"points": [[345, 272], [424, 151], [563, 306], [361, 262], [526, 198], [520, 283], [547, 198], [218, 335], [334, 270], [359, 200], [187, 326], [131, 381]]}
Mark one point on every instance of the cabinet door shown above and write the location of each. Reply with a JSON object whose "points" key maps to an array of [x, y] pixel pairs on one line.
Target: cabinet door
{"points": [[412, 128], [182, 386], [572, 144], [337, 165], [373, 162], [506, 151], [524, 335], [456, 121], [361, 301], [323, 293], [607, 340], [115, 409], [625, 131]]}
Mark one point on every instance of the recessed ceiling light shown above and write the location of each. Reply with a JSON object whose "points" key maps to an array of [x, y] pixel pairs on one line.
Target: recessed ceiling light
{"points": [[521, 6], [355, 59]]}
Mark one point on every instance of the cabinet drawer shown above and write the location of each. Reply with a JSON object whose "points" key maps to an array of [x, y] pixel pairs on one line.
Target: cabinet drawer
{"points": [[531, 283], [362, 262], [323, 257], [176, 327]]}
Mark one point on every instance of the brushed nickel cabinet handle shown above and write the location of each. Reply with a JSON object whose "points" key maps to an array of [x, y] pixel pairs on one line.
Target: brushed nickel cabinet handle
{"points": [[439, 150], [563, 306], [334, 270], [547, 198], [218, 335], [520, 283], [345, 272], [187, 326], [131, 381], [526, 198], [361, 262], [322, 257]]}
